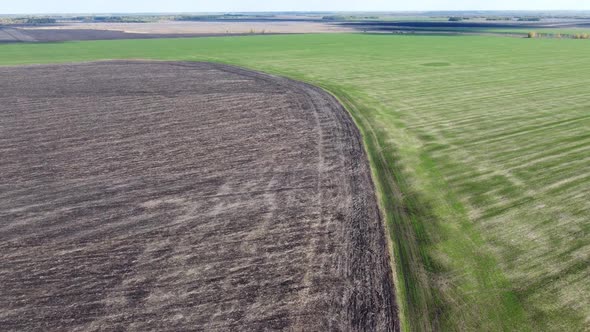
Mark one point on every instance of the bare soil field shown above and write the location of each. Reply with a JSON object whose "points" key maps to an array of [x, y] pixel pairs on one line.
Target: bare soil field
{"points": [[8, 34], [109, 31], [61, 35], [184, 196]]}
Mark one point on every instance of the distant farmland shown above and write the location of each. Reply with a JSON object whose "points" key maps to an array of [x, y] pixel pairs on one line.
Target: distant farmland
{"points": [[481, 151]]}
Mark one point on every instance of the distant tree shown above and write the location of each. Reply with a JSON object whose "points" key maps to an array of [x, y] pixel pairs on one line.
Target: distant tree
{"points": [[199, 17], [336, 18], [455, 19], [529, 19], [582, 36], [40, 20], [499, 18]]}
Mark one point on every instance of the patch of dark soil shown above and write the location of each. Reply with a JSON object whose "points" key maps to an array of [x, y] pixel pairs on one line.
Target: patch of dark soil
{"points": [[62, 35], [184, 196]]}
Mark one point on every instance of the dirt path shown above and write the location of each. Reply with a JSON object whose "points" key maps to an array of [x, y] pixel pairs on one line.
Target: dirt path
{"points": [[184, 196]]}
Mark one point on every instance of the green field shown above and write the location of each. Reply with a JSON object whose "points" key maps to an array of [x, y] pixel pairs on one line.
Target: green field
{"points": [[480, 147]]}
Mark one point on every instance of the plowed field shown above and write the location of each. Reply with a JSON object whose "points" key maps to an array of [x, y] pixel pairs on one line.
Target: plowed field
{"points": [[184, 196]]}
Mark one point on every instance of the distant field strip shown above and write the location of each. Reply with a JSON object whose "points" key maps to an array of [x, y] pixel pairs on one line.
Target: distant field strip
{"points": [[483, 162]]}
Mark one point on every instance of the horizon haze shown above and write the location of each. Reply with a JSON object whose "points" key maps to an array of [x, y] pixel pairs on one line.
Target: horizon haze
{"points": [[177, 6]]}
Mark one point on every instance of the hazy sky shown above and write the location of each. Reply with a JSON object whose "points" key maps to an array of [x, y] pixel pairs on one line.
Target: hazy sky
{"points": [[120, 6]]}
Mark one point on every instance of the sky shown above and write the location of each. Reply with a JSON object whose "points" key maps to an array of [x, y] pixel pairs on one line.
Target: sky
{"points": [[144, 6]]}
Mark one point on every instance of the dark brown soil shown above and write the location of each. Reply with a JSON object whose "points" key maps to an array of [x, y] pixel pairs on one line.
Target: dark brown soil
{"points": [[184, 196], [61, 35]]}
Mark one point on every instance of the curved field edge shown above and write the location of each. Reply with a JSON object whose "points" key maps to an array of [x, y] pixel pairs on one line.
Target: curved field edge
{"points": [[426, 300]]}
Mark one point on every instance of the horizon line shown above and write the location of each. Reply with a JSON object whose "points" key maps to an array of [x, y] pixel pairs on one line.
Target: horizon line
{"points": [[304, 11]]}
